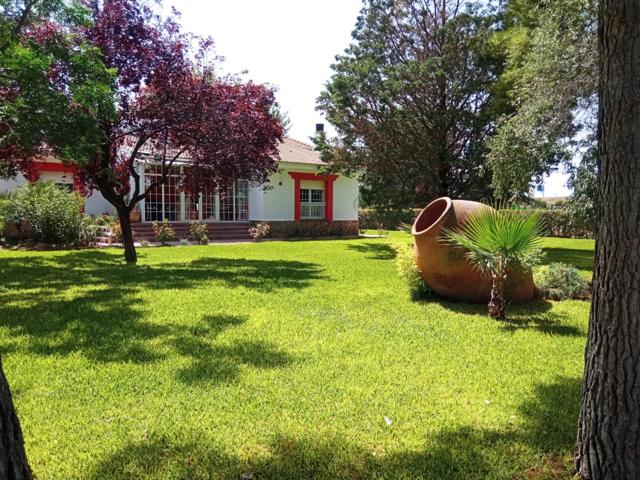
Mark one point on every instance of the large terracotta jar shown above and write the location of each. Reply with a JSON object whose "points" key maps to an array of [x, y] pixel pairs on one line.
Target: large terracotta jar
{"points": [[445, 268]]}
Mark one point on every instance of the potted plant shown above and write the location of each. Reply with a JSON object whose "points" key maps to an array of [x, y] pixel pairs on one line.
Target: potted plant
{"points": [[134, 216]]}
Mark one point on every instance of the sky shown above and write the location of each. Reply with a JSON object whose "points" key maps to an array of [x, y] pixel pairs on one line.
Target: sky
{"points": [[289, 44]]}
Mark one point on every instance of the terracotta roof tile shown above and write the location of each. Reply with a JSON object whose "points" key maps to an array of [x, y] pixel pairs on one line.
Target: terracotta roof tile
{"points": [[290, 150], [294, 151]]}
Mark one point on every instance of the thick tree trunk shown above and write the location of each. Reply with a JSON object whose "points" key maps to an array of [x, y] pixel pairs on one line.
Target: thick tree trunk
{"points": [[609, 432], [13, 459], [130, 254]]}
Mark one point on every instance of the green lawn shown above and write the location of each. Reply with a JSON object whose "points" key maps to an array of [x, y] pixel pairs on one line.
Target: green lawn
{"points": [[281, 359]]}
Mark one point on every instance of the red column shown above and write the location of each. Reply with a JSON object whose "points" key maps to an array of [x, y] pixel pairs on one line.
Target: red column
{"points": [[296, 192], [328, 191]]}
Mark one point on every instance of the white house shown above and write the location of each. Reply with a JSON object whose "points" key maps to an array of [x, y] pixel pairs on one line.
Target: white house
{"points": [[298, 193]]}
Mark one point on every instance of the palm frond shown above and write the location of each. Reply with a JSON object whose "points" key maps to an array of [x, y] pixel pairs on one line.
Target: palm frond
{"points": [[492, 237]]}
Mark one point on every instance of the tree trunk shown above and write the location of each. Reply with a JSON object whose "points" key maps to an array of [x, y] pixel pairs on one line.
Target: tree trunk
{"points": [[130, 254], [13, 459], [496, 303], [609, 431]]}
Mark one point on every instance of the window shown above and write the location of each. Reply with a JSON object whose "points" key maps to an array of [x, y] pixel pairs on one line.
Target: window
{"points": [[163, 201], [312, 203], [234, 205], [67, 187]]}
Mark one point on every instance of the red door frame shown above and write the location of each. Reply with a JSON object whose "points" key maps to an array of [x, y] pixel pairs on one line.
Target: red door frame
{"points": [[328, 191]]}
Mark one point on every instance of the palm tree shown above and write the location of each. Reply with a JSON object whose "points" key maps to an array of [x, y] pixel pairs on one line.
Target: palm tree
{"points": [[498, 241]]}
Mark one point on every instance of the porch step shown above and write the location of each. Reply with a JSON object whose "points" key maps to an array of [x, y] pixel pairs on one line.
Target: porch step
{"points": [[216, 231]]}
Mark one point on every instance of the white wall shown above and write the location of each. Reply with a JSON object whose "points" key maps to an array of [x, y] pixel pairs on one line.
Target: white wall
{"points": [[277, 203], [346, 193], [95, 204]]}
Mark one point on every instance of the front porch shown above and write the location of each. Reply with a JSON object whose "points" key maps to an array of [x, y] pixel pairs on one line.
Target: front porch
{"points": [[169, 201], [217, 232]]}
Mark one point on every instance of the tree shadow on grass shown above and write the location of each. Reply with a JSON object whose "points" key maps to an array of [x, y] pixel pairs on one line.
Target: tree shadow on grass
{"points": [[211, 362], [373, 251], [536, 315], [581, 259], [88, 302], [546, 430]]}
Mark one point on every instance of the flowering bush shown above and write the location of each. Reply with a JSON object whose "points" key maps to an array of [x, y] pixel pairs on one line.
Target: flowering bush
{"points": [[164, 231], [259, 231], [198, 232], [43, 212]]}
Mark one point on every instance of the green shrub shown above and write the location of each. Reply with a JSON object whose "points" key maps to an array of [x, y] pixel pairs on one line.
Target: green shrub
{"points": [[116, 231], [198, 232], [4, 210], [386, 219], [409, 272], [560, 222], [43, 212], [559, 281], [106, 220], [164, 231], [89, 231]]}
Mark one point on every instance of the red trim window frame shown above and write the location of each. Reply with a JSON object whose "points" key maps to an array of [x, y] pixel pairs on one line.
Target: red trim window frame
{"points": [[41, 167], [328, 180]]}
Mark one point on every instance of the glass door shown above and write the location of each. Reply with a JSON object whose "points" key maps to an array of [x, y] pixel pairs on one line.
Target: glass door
{"points": [[234, 205], [163, 201]]}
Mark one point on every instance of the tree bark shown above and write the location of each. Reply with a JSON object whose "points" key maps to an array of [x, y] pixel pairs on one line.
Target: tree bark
{"points": [[13, 459], [130, 254], [496, 303], [608, 444]]}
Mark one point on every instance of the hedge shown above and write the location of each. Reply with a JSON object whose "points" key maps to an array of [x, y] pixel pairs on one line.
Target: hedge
{"points": [[557, 221], [371, 219]]}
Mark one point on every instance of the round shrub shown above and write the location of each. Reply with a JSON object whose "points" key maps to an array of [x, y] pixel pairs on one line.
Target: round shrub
{"points": [[409, 273], [559, 281], [43, 212]]}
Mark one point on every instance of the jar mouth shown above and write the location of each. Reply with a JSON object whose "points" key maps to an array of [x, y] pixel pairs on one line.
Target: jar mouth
{"points": [[431, 215]]}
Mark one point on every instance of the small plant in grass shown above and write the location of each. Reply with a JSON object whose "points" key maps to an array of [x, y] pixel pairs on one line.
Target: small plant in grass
{"points": [[497, 241], [144, 243], [559, 281], [89, 231], [164, 232], [259, 231], [116, 232], [184, 242], [198, 232], [409, 272]]}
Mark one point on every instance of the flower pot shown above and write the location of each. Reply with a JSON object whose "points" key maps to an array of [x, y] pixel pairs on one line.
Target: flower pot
{"points": [[445, 268], [134, 215]]}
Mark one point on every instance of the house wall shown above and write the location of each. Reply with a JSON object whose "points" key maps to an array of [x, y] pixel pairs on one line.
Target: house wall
{"points": [[95, 203], [11, 184], [277, 202]]}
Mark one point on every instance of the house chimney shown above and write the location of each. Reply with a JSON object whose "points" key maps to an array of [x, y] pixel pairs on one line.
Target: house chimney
{"points": [[319, 128]]}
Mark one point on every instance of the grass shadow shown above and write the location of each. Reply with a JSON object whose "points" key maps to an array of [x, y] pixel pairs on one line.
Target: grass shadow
{"points": [[106, 319], [581, 259], [546, 429], [536, 315], [373, 250]]}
